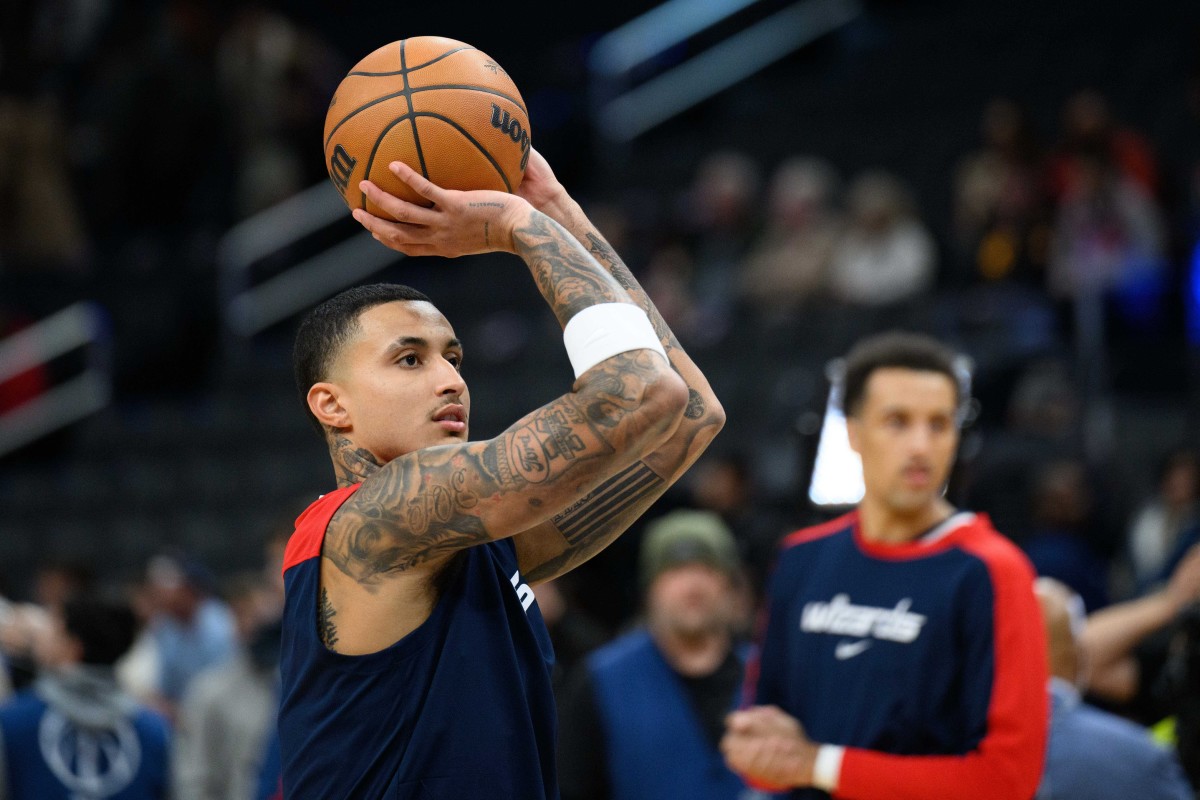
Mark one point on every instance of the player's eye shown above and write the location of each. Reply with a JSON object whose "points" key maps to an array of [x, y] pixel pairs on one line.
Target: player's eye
{"points": [[455, 359], [409, 360]]}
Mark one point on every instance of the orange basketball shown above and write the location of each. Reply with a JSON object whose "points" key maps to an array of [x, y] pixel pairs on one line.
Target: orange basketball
{"points": [[439, 105]]}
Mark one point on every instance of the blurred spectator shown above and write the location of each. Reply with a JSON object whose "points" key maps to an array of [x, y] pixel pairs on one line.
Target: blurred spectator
{"points": [[75, 734], [788, 262], [228, 711], [643, 717], [1155, 529], [1000, 198], [1040, 425], [1060, 544], [1092, 754], [886, 256], [192, 629], [719, 219], [276, 80], [1125, 643], [40, 225], [1090, 131], [1109, 237]]}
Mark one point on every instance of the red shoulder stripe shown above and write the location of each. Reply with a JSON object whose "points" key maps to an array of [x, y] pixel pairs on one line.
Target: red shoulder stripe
{"points": [[817, 531], [306, 542]]}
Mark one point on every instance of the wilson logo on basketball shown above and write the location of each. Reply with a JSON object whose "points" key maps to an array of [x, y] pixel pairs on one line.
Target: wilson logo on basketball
{"points": [[341, 166], [504, 122]]}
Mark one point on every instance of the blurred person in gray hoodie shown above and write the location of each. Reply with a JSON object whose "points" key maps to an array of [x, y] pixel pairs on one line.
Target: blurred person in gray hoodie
{"points": [[75, 734]]}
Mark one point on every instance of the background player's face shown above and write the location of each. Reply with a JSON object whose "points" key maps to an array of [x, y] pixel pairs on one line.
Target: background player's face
{"points": [[906, 434], [691, 600], [400, 381]]}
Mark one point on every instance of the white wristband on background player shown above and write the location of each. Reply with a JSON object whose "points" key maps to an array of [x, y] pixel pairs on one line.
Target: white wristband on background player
{"points": [[606, 329], [827, 767]]}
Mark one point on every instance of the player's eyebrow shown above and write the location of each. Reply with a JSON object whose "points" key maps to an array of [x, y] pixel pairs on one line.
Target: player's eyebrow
{"points": [[420, 343]]}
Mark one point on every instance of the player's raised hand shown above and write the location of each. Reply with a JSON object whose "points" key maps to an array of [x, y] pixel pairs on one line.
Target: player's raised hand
{"points": [[540, 187], [454, 224]]}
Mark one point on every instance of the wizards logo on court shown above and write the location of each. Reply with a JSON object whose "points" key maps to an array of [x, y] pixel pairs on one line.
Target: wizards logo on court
{"points": [[92, 763]]}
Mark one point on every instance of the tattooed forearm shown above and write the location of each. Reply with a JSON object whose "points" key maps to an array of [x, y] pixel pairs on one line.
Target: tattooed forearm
{"points": [[594, 522], [325, 626], [351, 464], [605, 254], [567, 276]]}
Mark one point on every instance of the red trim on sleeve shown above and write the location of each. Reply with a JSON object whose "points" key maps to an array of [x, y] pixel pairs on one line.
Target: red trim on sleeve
{"points": [[306, 542], [1007, 764]]}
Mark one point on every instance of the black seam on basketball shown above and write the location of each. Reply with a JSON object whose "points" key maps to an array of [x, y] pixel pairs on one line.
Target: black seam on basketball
{"points": [[413, 69], [364, 107], [473, 88], [412, 111], [469, 138], [375, 149]]}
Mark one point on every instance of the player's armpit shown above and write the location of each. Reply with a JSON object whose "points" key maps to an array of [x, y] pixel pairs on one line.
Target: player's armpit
{"points": [[432, 502]]}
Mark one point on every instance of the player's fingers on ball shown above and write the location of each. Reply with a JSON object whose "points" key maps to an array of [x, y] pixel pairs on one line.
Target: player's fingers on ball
{"points": [[417, 182], [397, 209]]}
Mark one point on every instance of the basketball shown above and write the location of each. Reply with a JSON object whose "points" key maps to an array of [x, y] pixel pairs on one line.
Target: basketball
{"points": [[444, 108]]}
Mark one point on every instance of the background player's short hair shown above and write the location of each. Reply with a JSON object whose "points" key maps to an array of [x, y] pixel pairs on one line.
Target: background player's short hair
{"points": [[896, 349], [328, 326], [104, 628]]}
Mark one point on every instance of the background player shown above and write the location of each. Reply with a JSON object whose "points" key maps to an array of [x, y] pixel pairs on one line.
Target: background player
{"points": [[415, 660], [905, 636]]}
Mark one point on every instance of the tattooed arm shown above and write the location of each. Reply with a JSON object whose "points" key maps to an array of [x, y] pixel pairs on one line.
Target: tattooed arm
{"points": [[428, 504], [589, 525]]}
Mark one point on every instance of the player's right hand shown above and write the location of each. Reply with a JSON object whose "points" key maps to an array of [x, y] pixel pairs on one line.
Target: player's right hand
{"points": [[455, 224]]}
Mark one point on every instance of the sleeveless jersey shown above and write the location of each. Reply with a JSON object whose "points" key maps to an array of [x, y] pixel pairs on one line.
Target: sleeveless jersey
{"points": [[460, 708], [925, 660]]}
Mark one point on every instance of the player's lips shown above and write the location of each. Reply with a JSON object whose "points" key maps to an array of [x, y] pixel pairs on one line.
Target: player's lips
{"points": [[452, 418], [917, 474]]}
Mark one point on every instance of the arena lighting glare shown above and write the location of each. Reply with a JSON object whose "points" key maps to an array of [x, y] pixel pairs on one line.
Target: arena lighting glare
{"points": [[837, 470]]}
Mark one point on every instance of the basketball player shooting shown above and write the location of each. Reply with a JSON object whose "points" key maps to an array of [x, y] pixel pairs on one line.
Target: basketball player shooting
{"points": [[415, 660]]}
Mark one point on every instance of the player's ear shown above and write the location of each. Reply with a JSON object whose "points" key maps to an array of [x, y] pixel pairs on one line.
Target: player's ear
{"points": [[325, 402]]}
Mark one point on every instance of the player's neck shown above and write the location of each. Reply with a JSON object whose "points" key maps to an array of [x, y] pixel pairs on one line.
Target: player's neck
{"points": [[883, 525], [351, 464]]}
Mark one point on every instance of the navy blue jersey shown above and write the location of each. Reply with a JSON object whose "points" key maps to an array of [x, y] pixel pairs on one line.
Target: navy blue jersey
{"points": [[925, 660], [460, 708]]}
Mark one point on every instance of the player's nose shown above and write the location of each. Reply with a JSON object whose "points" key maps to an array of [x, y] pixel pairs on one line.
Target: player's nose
{"points": [[450, 380]]}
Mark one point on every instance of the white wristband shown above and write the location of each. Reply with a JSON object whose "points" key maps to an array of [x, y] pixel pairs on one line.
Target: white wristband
{"points": [[827, 768], [604, 330]]}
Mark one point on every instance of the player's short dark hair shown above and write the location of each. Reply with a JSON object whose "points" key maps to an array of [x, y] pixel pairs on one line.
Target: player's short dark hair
{"points": [[105, 629], [326, 328], [895, 350]]}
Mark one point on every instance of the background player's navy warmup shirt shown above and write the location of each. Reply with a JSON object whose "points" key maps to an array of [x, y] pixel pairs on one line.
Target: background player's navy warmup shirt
{"points": [[460, 708]]}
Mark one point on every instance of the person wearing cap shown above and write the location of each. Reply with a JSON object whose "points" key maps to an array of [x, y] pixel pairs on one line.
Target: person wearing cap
{"points": [[642, 716], [902, 655], [1093, 754]]}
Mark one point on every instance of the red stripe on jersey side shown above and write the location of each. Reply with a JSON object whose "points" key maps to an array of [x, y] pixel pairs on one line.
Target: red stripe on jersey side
{"points": [[1008, 761], [306, 542], [817, 531]]}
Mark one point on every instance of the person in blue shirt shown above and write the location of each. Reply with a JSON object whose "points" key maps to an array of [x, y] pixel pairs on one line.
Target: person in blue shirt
{"points": [[1093, 754], [643, 716], [75, 734]]}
